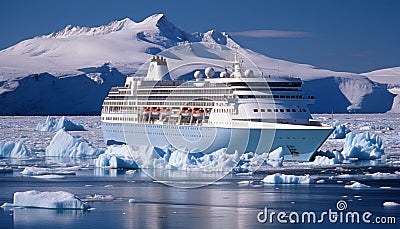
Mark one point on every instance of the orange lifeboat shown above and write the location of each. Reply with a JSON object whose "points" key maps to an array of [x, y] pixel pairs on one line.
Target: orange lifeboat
{"points": [[198, 114], [165, 111], [186, 112], [155, 112], [146, 111]]}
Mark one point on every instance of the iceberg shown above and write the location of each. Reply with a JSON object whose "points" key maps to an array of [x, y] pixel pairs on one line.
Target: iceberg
{"points": [[133, 157], [117, 156], [51, 200], [275, 158], [334, 158], [363, 146], [278, 178], [14, 150], [390, 204], [357, 185], [340, 131], [65, 145], [52, 124], [37, 171]]}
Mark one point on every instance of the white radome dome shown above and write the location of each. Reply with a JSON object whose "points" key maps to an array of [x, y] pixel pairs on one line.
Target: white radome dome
{"points": [[249, 73], [209, 72], [198, 75]]}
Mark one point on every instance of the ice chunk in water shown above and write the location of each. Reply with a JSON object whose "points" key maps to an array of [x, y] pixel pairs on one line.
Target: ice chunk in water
{"points": [[65, 145], [52, 200]]}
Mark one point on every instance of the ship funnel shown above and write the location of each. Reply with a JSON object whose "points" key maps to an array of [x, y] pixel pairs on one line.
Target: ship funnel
{"points": [[158, 69]]}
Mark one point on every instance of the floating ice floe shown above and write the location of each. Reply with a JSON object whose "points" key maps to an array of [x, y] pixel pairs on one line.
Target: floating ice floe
{"points": [[37, 171], [390, 204], [52, 124], [357, 185], [14, 150], [340, 131], [363, 146], [51, 200], [65, 145], [331, 158], [97, 197], [250, 162], [376, 127], [278, 178], [381, 175], [49, 176]]}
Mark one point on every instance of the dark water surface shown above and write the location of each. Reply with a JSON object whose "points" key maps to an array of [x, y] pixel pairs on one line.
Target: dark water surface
{"points": [[225, 204]]}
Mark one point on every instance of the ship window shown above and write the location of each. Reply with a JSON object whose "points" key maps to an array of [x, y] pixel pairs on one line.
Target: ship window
{"points": [[255, 110], [269, 110], [304, 110], [262, 110], [275, 110], [281, 110], [287, 110], [293, 110]]}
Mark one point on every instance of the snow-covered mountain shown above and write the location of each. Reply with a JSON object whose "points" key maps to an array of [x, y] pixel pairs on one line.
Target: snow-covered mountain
{"points": [[390, 77], [71, 71]]}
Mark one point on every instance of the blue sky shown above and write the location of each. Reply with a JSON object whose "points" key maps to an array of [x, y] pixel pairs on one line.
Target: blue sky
{"points": [[342, 35]]}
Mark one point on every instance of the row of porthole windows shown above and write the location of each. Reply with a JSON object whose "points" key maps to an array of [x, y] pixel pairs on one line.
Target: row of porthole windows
{"points": [[255, 110]]}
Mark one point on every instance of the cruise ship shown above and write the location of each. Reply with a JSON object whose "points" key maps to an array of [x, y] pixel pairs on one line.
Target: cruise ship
{"points": [[236, 110]]}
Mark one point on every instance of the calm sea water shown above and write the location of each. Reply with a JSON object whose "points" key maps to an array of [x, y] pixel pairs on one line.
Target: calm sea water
{"points": [[224, 204]]}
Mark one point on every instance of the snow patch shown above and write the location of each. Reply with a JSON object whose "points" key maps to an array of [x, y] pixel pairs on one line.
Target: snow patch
{"points": [[65, 145]]}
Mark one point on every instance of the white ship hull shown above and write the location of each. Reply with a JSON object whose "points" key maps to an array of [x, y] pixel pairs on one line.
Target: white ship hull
{"points": [[299, 142]]}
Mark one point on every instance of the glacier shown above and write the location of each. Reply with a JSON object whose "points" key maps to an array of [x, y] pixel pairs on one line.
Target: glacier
{"points": [[52, 124], [50, 200], [45, 78], [65, 145]]}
